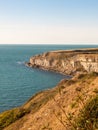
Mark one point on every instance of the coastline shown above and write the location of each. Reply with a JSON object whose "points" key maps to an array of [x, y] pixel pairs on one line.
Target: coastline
{"points": [[67, 62], [40, 108]]}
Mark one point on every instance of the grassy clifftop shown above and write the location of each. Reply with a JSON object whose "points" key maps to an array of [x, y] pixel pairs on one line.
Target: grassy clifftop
{"points": [[71, 105]]}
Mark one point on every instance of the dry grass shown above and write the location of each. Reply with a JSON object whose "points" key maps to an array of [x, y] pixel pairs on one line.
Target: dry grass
{"points": [[63, 103]]}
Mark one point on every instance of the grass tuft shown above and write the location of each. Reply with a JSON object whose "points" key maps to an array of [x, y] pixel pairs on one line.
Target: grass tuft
{"points": [[88, 119], [10, 116]]}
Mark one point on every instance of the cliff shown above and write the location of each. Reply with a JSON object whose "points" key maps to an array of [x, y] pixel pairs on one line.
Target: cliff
{"points": [[71, 105], [67, 62]]}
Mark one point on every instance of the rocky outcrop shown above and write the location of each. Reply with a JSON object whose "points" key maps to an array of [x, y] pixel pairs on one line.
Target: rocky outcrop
{"points": [[67, 62]]}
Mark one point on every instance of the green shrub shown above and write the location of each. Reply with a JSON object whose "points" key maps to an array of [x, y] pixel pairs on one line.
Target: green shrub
{"points": [[8, 117], [88, 119]]}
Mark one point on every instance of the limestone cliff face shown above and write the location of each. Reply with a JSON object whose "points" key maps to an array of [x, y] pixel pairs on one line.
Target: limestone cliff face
{"points": [[67, 62]]}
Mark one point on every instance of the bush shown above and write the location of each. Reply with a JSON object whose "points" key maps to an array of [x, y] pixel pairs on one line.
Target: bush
{"points": [[88, 119], [8, 117]]}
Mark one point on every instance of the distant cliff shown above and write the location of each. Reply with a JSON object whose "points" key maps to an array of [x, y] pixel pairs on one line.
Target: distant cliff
{"points": [[67, 62]]}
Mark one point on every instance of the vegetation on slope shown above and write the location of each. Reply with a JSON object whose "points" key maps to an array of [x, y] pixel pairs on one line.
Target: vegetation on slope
{"points": [[33, 104], [10, 116], [88, 119], [73, 105]]}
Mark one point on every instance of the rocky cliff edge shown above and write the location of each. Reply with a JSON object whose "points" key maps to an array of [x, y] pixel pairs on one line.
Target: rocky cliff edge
{"points": [[67, 62]]}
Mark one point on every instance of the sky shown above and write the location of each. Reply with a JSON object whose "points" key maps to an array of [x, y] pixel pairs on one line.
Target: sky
{"points": [[48, 21]]}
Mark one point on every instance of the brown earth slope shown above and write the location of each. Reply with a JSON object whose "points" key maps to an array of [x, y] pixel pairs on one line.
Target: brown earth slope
{"points": [[52, 109]]}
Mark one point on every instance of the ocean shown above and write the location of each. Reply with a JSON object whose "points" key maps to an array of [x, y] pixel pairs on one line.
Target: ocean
{"points": [[18, 82]]}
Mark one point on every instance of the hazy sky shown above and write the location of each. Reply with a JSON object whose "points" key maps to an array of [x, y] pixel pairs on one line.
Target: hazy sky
{"points": [[48, 21]]}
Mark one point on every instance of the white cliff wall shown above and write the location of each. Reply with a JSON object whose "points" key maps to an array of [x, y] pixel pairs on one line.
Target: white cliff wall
{"points": [[67, 65]]}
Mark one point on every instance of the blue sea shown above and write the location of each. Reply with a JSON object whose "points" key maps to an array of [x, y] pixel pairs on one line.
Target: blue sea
{"points": [[18, 82]]}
